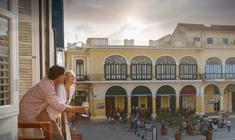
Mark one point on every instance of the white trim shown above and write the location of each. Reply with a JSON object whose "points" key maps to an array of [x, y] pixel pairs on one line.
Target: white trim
{"points": [[35, 43]]}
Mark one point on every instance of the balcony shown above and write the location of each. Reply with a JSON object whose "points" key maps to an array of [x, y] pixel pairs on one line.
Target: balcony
{"points": [[159, 77], [24, 135], [220, 45]]}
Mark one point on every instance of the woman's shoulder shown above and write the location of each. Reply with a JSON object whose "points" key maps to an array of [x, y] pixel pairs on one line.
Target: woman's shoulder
{"points": [[60, 87], [72, 90]]}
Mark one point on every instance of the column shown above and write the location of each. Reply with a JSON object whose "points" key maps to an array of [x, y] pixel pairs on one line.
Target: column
{"points": [[221, 103], [128, 106], [198, 105], [201, 95], [154, 107], [202, 104], [230, 101], [177, 102]]}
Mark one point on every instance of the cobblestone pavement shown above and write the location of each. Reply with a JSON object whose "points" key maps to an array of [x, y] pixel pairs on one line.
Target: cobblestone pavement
{"points": [[105, 131]]}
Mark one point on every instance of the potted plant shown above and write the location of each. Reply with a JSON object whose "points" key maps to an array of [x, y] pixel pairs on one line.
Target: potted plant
{"points": [[177, 123], [192, 121], [162, 118], [207, 132]]}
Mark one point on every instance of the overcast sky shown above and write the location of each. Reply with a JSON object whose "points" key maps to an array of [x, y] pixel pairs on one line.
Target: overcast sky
{"points": [[141, 20]]}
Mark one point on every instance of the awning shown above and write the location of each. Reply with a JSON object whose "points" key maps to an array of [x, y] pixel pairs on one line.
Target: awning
{"points": [[188, 91], [141, 91], [165, 91], [115, 91]]}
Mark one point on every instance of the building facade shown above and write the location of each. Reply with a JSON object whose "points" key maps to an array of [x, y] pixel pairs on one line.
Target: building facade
{"points": [[26, 53], [194, 67]]}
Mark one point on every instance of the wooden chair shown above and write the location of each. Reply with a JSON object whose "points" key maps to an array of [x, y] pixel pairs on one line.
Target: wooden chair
{"points": [[44, 125]]}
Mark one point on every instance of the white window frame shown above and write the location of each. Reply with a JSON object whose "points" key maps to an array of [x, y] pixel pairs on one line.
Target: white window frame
{"points": [[12, 108], [75, 66]]}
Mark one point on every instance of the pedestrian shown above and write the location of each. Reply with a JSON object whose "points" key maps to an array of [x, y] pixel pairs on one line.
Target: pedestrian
{"points": [[229, 124]]}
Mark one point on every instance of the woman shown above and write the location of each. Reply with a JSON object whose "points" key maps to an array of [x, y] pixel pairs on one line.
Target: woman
{"points": [[64, 92]]}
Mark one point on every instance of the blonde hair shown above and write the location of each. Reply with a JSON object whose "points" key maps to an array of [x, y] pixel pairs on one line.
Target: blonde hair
{"points": [[68, 73]]}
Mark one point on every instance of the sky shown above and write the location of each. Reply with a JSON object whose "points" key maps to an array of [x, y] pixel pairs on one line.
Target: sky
{"points": [[141, 20]]}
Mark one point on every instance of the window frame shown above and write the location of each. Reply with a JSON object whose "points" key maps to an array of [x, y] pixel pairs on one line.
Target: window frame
{"points": [[230, 68], [142, 74], [167, 68], [210, 40], [114, 73], [141, 68], [115, 68], [195, 39], [82, 76], [12, 108], [188, 68], [225, 40], [212, 74], [163, 75]]}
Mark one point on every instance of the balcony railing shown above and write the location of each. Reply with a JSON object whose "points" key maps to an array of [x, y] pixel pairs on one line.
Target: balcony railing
{"points": [[46, 127], [128, 77], [65, 126]]}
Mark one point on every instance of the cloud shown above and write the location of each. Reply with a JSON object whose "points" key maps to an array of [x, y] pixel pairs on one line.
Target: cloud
{"points": [[84, 27], [108, 18]]}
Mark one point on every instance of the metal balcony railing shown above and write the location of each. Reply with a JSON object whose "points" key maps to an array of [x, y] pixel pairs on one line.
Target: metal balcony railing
{"points": [[135, 77]]}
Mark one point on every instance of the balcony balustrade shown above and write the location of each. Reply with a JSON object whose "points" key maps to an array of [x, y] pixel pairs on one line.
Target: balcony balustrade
{"points": [[136, 77]]}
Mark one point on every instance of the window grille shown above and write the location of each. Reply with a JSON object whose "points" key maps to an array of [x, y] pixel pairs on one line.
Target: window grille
{"points": [[4, 4], [115, 68], [80, 70], [213, 68], [165, 68], [188, 68], [4, 62], [141, 68]]}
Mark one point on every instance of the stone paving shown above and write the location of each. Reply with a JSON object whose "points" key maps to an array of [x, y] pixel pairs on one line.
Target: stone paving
{"points": [[105, 131]]}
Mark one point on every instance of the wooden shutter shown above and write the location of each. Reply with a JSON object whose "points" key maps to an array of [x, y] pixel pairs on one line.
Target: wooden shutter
{"points": [[25, 45]]}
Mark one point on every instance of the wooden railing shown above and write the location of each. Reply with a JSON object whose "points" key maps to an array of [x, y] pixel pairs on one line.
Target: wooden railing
{"points": [[45, 127]]}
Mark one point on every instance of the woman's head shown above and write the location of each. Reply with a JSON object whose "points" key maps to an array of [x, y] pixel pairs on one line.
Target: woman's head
{"points": [[69, 77]]}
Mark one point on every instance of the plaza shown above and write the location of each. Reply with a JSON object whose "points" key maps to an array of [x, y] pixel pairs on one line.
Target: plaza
{"points": [[98, 130]]}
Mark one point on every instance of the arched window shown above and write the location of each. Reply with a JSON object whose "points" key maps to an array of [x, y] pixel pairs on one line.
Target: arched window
{"points": [[141, 68], [188, 68], [230, 68], [213, 69], [165, 68], [115, 68]]}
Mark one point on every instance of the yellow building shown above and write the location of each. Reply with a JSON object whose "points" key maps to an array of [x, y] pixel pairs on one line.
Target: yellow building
{"points": [[194, 67]]}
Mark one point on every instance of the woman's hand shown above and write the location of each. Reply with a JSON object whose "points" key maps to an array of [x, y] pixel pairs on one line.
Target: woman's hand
{"points": [[79, 109]]}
